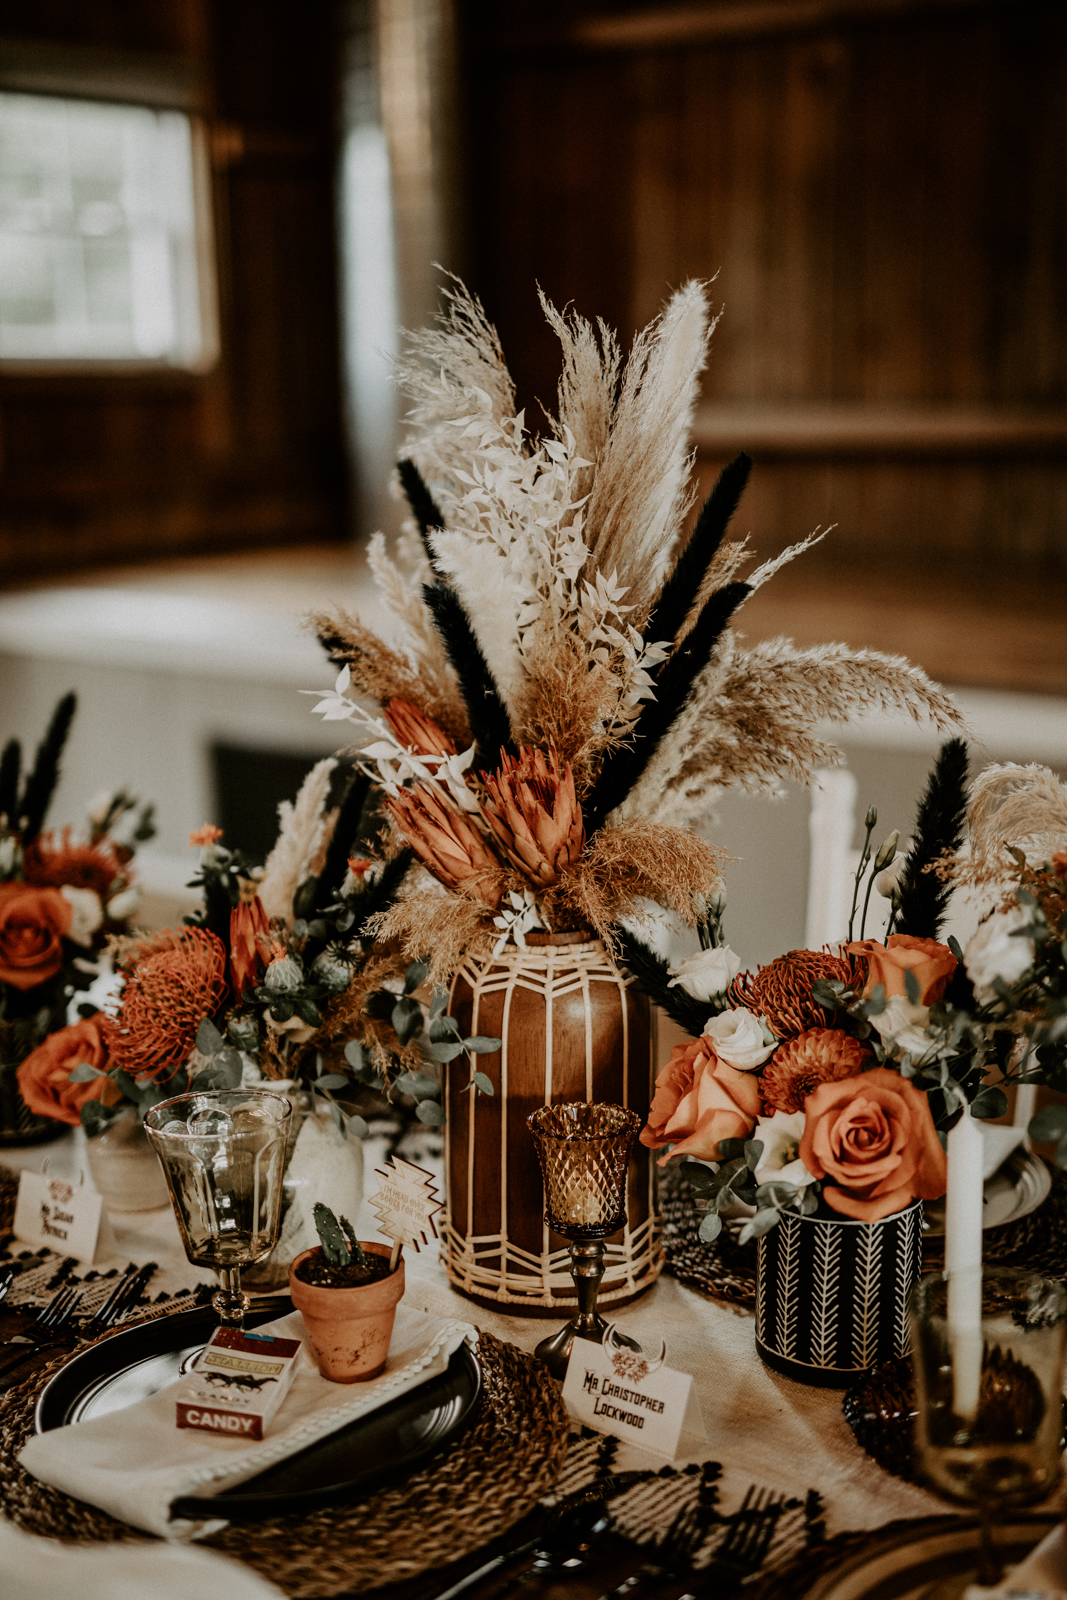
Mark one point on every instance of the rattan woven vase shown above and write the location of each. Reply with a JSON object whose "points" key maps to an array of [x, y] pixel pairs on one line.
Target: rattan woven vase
{"points": [[573, 1028]]}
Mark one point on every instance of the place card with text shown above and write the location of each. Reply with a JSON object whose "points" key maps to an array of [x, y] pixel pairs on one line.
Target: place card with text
{"points": [[619, 1391], [63, 1217]]}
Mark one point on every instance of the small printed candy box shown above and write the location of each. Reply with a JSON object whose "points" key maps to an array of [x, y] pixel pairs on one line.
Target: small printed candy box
{"points": [[238, 1383]]}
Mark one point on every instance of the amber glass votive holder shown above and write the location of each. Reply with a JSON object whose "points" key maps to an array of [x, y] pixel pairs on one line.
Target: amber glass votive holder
{"points": [[584, 1151]]}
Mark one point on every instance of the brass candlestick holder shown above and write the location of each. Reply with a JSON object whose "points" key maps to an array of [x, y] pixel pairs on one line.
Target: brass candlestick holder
{"points": [[583, 1150]]}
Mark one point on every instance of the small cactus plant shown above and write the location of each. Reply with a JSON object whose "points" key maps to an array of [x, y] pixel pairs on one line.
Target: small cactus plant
{"points": [[339, 1243]]}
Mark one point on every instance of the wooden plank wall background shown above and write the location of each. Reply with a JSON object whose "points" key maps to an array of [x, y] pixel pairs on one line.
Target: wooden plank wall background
{"points": [[105, 467], [880, 190]]}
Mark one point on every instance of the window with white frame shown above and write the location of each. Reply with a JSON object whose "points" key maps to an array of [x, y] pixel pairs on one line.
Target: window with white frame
{"points": [[106, 251]]}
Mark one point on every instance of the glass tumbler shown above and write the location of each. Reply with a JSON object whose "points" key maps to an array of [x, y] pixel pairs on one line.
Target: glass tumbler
{"points": [[223, 1156], [989, 1393]]}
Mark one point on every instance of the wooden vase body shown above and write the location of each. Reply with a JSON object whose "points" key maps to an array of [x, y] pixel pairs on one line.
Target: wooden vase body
{"points": [[572, 1028]]}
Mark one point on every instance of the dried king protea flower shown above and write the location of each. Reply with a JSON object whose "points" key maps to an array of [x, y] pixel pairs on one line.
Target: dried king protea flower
{"points": [[416, 731], [535, 816], [821, 1055], [781, 991], [448, 842]]}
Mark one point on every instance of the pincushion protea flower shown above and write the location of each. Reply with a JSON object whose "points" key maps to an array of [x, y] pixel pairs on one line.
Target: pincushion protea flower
{"points": [[535, 816], [448, 843], [821, 1055], [781, 991], [175, 980]]}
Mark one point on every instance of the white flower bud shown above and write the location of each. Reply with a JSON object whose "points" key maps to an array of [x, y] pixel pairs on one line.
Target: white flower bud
{"points": [[705, 975]]}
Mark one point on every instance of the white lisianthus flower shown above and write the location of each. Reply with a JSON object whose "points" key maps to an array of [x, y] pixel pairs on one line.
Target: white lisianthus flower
{"points": [[123, 905], [903, 1029], [996, 952], [780, 1161], [740, 1039], [887, 882], [86, 913], [705, 975]]}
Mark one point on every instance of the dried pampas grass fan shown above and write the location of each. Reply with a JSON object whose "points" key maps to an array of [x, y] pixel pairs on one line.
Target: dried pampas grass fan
{"points": [[545, 597]]}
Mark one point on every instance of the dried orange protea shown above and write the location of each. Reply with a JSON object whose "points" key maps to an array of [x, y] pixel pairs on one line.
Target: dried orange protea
{"points": [[448, 843], [781, 991], [821, 1055], [51, 861], [249, 935], [416, 731], [176, 980], [535, 816]]}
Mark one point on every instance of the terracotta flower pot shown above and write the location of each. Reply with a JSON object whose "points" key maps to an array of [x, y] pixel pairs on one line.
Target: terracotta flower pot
{"points": [[349, 1329]]}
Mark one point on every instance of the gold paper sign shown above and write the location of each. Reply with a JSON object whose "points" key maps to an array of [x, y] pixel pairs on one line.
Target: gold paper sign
{"points": [[406, 1203]]}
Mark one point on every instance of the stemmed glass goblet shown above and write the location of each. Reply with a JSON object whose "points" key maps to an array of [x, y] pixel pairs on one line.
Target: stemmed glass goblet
{"points": [[990, 1408], [223, 1156], [584, 1151]]}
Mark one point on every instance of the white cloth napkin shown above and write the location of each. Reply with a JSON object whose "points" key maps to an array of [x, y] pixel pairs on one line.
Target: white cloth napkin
{"points": [[35, 1568], [134, 1462]]}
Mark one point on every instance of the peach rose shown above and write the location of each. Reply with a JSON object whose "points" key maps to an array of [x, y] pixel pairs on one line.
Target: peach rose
{"points": [[32, 923], [933, 965], [873, 1137], [44, 1076], [698, 1101]]}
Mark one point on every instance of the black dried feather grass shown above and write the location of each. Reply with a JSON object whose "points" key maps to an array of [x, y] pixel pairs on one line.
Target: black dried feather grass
{"points": [[938, 832], [10, 771], [676, 597], [653, 976], [345, 834], [424, 507], [380, 895], [490, 724], [41, 783], [624, 765]]}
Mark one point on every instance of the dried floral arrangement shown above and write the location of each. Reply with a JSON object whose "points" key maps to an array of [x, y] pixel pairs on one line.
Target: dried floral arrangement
{"points": [[830, 1078], [565, 695], [275, 977], [63, 895]]}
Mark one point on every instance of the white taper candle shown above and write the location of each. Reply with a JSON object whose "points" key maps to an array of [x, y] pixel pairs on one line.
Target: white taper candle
{"points": [[963, 1262]]}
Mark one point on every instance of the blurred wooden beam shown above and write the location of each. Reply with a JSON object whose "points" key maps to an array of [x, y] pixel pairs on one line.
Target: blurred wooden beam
{"points": [[722, 21], [832, 431]]}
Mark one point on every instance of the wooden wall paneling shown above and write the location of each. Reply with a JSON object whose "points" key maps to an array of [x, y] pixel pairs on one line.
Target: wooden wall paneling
{"points": [[101, 467]]}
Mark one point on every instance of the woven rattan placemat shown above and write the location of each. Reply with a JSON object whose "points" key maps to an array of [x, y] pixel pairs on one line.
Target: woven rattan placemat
{"points": [[471, 1492]]}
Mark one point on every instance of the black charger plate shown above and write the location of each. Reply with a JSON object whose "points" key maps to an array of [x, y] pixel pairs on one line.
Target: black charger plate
{"points": [[377, 1449]]}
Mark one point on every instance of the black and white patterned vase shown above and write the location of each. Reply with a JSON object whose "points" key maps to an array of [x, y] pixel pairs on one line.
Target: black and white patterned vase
{"points": [[832, 1294]]}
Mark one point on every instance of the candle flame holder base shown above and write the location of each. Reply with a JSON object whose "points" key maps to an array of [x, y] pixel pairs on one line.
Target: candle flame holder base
{"points": [[587, 1269]]}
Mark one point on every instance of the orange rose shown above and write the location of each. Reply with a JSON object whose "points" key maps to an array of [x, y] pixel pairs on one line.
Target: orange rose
{"points": [[933, 965], [873, 1137], [44, 1076], [698, 1101], [32, 923]]}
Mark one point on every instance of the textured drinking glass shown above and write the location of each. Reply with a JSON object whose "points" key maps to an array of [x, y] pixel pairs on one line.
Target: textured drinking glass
{"points": [[1005, 1450], [223, 1155], [584, 1151]]}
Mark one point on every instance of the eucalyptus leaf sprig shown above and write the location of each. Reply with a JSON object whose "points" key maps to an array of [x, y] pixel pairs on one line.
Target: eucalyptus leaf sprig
{"points": [[447, 1042], [734, 1180]]}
